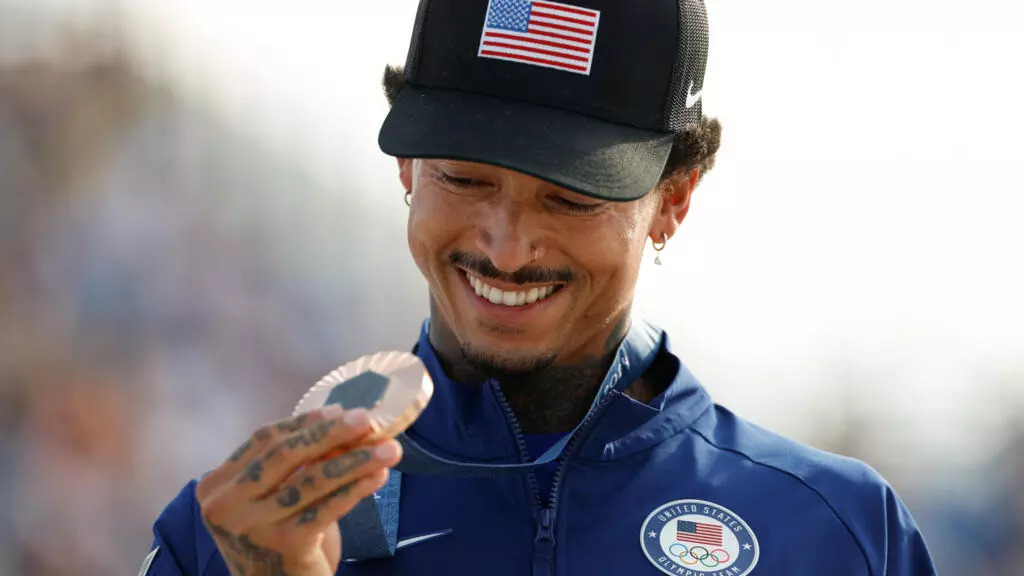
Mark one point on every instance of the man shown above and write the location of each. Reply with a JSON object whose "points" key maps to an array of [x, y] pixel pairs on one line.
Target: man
{"points": [[541, 144]]}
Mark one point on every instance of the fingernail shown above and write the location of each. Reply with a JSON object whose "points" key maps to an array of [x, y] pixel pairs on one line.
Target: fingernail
{"points": [[332, 411], [357, 418], [386, 451]]}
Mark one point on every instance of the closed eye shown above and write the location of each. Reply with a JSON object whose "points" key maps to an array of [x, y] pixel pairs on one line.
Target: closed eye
{"points": [[457, 182], [576, 207]]}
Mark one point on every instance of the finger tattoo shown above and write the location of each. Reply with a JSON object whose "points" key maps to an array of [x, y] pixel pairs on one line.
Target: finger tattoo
{"points": [[252, 473], [240, 451], [248, 557], [293, 425], [311, 436], [310, 514], [289, 497], [342, 465]]}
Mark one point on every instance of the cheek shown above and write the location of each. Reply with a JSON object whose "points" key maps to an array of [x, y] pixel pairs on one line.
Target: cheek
{"points": [[435, 227], [614, 243], [423, 232], [612, 257]]}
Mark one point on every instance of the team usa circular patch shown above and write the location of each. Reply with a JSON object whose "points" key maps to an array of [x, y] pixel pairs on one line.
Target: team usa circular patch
{"points": [[695, 537]]}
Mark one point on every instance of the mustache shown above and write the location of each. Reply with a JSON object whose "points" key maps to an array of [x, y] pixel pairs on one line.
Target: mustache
{"points": [[482, 267]]}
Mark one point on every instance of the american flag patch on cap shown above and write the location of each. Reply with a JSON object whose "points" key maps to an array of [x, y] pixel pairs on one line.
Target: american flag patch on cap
{"points": [[540, 33]]}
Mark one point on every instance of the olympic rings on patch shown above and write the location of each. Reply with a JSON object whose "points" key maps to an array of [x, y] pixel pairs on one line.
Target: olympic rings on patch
{"points": [[707, 558], [702, 556], [681, 555]]}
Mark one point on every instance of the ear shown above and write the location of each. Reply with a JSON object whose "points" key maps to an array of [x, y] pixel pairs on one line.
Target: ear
{"points": [[405, 172], [674, 203]]}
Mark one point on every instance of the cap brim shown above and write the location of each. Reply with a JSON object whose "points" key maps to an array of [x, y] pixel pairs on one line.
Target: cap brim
{"points": [[593, 157]]}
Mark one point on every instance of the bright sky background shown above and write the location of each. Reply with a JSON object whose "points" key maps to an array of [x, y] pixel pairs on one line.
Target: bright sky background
{"points": [[859, 243]]}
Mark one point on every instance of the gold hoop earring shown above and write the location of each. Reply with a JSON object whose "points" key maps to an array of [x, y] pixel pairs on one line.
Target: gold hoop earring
{"points": [[658, 247]]}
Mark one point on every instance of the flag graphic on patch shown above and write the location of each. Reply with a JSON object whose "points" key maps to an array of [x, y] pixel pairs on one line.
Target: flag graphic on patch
{"points": [[540, 33], [699, 532]]}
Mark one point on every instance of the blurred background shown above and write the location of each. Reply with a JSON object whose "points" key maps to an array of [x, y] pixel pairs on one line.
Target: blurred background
{"points": [[196, 224]]}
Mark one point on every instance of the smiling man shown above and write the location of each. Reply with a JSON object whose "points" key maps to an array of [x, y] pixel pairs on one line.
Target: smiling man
{"points": [[541, 145]]}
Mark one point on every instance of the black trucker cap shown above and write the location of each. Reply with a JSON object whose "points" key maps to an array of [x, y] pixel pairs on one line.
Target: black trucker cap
{"points": [[586, 95]]}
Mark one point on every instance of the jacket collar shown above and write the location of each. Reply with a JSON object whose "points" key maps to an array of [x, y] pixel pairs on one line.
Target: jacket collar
{"points": [[467, 421]]}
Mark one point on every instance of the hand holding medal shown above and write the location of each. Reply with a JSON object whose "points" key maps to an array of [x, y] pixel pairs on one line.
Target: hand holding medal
{"points": [[393, 387], [273, 505]]}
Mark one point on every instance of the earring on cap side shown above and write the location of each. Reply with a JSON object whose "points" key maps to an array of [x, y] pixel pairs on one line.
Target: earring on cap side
{"points": [[408, 197], [658, 247]]}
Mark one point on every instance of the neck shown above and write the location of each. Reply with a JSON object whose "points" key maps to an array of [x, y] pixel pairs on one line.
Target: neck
{"points": [[553, 399]]}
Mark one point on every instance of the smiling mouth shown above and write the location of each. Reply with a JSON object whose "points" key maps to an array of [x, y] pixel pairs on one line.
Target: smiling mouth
{"points": [[511, 298]]}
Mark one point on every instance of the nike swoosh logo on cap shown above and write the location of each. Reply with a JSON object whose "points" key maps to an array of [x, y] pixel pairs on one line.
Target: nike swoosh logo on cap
{"points": [[692, 98], [406, 542]]}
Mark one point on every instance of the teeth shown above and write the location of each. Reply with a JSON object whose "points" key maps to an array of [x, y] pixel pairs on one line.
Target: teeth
{"points": [[532, 295], [508, 298]]}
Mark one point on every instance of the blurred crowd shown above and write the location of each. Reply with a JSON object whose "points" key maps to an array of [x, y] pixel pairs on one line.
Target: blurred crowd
{"points": [[165, 287], [159, 298]]}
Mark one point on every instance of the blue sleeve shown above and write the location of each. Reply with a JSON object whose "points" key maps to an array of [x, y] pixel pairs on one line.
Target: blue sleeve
{"points": [[174, 550], [905, 552], [883, 526], [874, 515]]}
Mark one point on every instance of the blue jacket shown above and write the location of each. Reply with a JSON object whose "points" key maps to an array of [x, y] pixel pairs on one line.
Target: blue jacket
{"points": [[676, 486]]}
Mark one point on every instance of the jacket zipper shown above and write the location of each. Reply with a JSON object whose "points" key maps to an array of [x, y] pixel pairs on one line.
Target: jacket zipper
{"points": [[544, 541], [517, 431]]}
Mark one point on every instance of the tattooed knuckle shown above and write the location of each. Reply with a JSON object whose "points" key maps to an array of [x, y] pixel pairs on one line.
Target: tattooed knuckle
{"points": [[275, 452], [341, 493], [345, 464], [309, 515], [293, 424], [240, 451], [252, 473], [295, 440], [288, 496], [263, 433]]}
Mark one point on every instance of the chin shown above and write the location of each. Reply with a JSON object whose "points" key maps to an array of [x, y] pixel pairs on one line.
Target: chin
{"points": [[496, 361]]}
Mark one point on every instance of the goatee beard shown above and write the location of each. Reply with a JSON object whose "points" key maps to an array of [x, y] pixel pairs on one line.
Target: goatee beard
{"points": [[503, 367]]}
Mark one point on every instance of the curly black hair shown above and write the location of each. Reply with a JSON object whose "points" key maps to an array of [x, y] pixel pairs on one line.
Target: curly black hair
{"points": [[695, 146]]}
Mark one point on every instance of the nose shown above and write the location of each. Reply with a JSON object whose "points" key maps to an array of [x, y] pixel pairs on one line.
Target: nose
{"points": [[505, 234]]}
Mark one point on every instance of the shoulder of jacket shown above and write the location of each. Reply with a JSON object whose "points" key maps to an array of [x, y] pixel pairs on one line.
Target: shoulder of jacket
{"points": [[859, 497]]}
